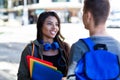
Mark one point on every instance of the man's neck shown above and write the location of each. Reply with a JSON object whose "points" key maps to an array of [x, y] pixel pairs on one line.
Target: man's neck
{"points": [[98, 31]]}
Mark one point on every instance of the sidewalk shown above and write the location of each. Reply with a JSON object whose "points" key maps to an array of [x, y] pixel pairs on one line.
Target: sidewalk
{"points": [[8, 73], [9, 59]]}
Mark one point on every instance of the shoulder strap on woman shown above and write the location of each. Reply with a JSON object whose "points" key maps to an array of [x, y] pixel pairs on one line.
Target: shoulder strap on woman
{"points": [[33, 47]]}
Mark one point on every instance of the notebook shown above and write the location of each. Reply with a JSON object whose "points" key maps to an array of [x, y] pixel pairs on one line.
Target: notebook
{"points": [[43, 70]]}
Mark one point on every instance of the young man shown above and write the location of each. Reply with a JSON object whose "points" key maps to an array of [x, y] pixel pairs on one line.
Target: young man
{"points": [[95, 14]]}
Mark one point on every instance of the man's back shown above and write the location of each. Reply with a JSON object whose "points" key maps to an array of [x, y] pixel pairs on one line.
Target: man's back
{"points": [[79, 48], [94, 20]]}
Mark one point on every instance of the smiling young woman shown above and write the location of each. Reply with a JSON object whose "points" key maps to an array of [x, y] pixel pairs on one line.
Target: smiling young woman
{"points": [[49, 43]]}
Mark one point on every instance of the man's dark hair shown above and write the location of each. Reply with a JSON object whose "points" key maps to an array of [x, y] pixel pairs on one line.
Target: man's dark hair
{"points": [[99, 9]]}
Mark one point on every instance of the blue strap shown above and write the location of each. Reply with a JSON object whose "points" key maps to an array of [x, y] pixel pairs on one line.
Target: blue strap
{"points": [[88, 41]]}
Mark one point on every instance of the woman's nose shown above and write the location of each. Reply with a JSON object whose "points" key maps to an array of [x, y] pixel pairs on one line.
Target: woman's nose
{"points": [[54, 26]]}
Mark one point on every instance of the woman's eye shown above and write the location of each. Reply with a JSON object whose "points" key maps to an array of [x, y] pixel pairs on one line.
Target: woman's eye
{"points": [[49, 23]]}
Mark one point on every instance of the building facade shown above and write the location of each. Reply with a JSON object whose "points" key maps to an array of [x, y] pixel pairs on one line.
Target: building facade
{"points": [[30, 9]]}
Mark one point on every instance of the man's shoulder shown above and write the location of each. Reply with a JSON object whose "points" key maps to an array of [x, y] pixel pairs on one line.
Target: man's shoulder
{"points": [[79, 45], [78, 42]]}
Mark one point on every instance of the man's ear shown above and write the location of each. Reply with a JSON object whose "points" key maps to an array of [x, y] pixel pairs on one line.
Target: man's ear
{"points": [[89, 17]]}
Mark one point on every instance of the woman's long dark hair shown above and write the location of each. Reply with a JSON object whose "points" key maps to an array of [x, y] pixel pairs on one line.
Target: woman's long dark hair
{"points": [[59, 38]]}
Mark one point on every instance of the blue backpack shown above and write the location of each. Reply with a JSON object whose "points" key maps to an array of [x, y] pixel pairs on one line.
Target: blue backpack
{"points": [[97, 64]]}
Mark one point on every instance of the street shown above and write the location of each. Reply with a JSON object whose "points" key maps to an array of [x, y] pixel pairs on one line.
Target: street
{"points": [[14, 39]]}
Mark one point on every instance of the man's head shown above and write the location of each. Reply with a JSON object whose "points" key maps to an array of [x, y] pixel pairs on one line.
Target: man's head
{"points": [[99, 9]]}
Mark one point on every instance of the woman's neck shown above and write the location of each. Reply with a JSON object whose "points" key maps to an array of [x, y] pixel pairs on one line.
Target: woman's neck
{"points": [[48, 40]]}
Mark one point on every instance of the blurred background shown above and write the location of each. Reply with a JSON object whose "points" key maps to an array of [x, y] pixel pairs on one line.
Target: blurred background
{"points": [[26, 11], [18, 27]]}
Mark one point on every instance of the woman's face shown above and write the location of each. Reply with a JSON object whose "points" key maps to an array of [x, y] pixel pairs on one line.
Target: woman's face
{"points": [[50, 27]]}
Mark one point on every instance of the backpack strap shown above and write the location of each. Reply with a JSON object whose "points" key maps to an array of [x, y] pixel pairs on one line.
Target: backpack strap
{"points": [[89, 43], [92, 46]]}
